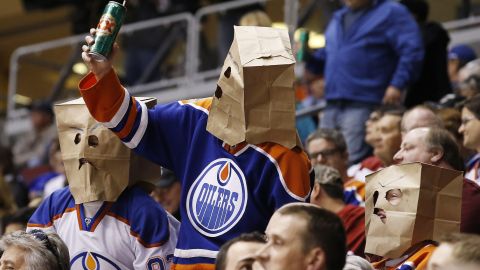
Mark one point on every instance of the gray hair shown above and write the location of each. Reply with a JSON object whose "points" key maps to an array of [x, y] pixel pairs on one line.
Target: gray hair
{"points": [[442, 139], [464, 247], [49, 254], [472, 68]]}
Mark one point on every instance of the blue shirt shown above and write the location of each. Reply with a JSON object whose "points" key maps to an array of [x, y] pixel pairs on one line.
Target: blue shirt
{"points": [[382, 47]]}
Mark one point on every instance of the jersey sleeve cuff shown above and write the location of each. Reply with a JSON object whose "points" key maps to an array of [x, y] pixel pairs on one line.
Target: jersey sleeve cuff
{"points": [[103, 97]]}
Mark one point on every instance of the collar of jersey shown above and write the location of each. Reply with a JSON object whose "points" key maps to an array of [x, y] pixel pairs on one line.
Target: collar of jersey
{"points": [[235, 149], [102, 211]]}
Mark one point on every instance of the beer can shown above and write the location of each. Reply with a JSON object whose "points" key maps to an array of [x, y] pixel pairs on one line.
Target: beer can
{"points": [[107, 30]]}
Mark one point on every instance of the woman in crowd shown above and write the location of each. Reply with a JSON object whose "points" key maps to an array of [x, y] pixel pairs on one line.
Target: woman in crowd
{"points": [[33, 250], [470, 129]]}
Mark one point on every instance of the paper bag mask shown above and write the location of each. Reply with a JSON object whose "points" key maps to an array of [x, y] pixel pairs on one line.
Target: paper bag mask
{"points": [[97, 164], [408, 203], [255, 99]]}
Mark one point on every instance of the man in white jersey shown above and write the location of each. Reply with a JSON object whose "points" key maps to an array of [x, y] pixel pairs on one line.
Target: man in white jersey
{"points": [[107, 220]]}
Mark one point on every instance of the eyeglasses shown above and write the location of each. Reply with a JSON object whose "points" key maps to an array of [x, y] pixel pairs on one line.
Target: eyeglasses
{"points": [[43, 237], [325, 153]]}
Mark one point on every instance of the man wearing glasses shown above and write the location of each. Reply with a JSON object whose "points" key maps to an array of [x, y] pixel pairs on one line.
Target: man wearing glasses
{"points": [[328, 147]]}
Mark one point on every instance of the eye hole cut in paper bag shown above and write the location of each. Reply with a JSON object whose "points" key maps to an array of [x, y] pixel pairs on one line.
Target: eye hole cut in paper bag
{"points": [[255, 98], [97, 164], [408, 203]]}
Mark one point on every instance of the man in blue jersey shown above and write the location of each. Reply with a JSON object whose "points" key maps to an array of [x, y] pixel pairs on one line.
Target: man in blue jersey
{"points": [[374, 51], [236, 154]]}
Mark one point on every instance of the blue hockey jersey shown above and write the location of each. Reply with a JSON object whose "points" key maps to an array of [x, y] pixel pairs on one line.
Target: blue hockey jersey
{"points": [[226, 190]]}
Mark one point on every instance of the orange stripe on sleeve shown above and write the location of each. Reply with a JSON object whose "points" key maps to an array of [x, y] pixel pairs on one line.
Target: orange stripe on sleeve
{"points": [[130, 121], [124, 220], [53, 219], [144, 243], [294, 165], [104, 97], [35, 225], [199, 266]]}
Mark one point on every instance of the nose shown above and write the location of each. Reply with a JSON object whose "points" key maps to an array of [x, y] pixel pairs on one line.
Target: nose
{"points": [[461, 129], [398, 157], [262, 254]]}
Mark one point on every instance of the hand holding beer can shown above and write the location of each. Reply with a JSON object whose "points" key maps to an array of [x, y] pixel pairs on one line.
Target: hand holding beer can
{"points": [[107, 30]]}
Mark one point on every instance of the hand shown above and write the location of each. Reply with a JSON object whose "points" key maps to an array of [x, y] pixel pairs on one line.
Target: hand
{"points": [[98, 68], [393, 95]]}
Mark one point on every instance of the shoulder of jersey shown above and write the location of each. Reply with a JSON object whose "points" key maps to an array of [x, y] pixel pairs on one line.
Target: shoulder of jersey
{"points": [[148, 221]]}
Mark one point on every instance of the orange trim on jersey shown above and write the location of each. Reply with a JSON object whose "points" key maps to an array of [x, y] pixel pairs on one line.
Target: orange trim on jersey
{"points": [[104, 97], [205, 103], [130, 120], [198, 266], [79, 218], [134, 234], [101, 216], [418, 258], [53, 219], [235, 149], [294, 166], [359, 187], [145, 244], [122, 219]]}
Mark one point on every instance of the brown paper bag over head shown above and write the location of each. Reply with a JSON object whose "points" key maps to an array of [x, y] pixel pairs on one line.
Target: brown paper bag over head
{"points": [[408, 203], [97, 164], [255, 99]]}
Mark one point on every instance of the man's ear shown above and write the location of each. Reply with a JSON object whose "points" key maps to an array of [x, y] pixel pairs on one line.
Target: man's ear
{"points": [[437, 155], [315, 260], [316, 193]]}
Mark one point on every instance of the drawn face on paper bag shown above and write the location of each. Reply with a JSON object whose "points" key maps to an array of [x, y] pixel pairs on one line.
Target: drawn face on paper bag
{"points": [[254, 100], [96, 161], [390, 214]]}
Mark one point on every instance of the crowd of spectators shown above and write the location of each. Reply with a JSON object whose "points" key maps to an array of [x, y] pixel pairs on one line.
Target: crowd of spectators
{"points": [[393, 92]]}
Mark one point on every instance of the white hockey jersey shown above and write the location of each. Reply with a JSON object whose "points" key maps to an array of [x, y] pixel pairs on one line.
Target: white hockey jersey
{"points": [[132, 233]]}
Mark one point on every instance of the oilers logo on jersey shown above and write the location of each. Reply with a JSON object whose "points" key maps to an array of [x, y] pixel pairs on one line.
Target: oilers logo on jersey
{"points": [[217, 199], [93, 261]]}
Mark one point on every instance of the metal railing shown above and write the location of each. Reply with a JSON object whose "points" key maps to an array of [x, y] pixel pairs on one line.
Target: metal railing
{"points": [[466, 31], [193, 83], [79, 39]]}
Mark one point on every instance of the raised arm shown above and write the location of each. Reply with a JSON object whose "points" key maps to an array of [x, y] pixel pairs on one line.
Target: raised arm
{"points": [[161, 134]]}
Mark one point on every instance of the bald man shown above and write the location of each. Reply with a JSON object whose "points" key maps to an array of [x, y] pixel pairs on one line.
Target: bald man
{"points": [[420, 116]]}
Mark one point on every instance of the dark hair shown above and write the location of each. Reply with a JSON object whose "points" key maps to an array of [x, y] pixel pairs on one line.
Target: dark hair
{"points": [[324, 230], [443, 139], [333, 191], [392, 109], [21, 216], [419, 8], [6, 161], [473, 105], [42, 106], [221, 261], [332, 135]]}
